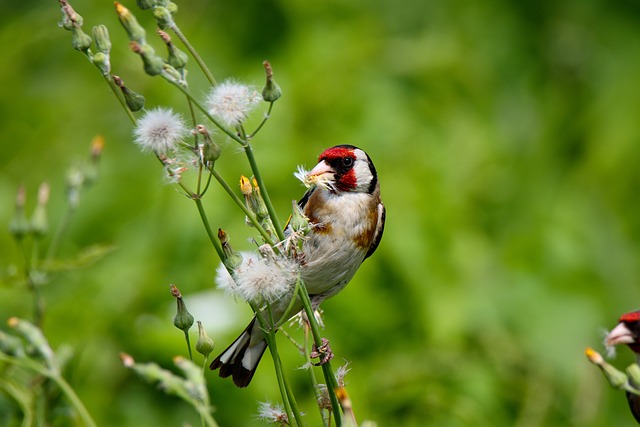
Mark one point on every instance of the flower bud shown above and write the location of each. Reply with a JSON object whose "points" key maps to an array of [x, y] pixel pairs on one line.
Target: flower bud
{"points": [[183, 320], [232, 257], [80, 40], [177, 58], [172, 7], [245, 186], [260, 208], [153, 64], [101, 36], [617, 379], [70, 18], [205, 344], [19, 226], [101, 60], [39, 223], [146, 4], [130, 23], [210, 151], [97, 147], [91, 170], [271, 91], [299, 222], [163, 17], [75, 181], [134, 101], [36, 340]]}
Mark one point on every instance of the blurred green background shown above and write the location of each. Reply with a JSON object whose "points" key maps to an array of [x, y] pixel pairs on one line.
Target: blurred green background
{"points": [[506, 136]]}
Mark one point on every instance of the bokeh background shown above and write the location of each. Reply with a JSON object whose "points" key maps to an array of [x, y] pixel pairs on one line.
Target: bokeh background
{"points": [[506, 136]]}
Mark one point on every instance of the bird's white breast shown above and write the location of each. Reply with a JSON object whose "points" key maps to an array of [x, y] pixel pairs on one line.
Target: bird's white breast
{"points": [[333, 252]]}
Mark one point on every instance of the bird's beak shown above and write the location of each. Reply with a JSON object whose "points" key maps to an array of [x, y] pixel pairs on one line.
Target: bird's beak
{"points": [[321, 170], [619, 335]]}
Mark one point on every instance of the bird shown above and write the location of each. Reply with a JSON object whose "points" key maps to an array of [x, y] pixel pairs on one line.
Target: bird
{"points": [[347, 219], [627, 331]]}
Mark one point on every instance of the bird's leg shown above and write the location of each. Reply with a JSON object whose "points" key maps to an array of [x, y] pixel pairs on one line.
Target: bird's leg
{"points": [[323, 352]]}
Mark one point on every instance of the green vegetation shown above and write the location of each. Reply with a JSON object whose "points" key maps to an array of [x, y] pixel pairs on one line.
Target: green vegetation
{"points": [[507, 142]]}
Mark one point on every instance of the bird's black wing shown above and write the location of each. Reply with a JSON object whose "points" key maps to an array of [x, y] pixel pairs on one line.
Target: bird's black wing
{"points": [[382, 214]]}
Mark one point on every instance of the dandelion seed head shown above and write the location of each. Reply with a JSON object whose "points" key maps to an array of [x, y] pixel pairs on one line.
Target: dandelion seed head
{"points": [[272, 413], [159, 131], [259, 278], [231, 102], [341, 373]]}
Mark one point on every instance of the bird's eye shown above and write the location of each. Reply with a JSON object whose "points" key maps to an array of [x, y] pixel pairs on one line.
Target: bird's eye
{"points": [[347, 162]]}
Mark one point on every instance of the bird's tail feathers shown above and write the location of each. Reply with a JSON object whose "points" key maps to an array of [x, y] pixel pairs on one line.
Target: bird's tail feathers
{"points": [[240, 361]]}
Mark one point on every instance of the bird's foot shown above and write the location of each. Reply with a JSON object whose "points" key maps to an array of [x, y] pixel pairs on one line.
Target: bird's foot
{"points": [[323, 352]]}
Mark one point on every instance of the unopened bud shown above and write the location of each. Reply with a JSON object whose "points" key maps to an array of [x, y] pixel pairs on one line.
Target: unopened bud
{"points": [[75, 181], [130, 23], [299, 222], [271, 91], [101, 36], [232, 258], [19, 226], [245, 186], [153, 64], [205, 344], [39, 223], [101, 60], [70, 18], [163, 17], [134, 100], [172, 7], [259, 207], [183, 320], [177, 58], [210, 150], [616, 378], [91, 169], [146, 4], [97, 147], [80, 40]]}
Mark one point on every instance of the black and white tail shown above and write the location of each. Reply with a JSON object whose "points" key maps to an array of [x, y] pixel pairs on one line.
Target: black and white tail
{"points": [[240, 361]]}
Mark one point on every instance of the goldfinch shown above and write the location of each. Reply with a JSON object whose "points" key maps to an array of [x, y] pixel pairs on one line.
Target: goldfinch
{"points": [[627, 331], [347, 219]]}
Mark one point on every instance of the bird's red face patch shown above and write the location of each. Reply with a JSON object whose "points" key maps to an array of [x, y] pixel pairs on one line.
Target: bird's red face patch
{"points": [[345, 175], [634, 316], [335, 153]]}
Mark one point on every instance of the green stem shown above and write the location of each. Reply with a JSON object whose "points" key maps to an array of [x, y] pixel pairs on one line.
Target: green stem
{"points": [[263, 190], [206, 187], [325, 415], [327, 371], [288, 399], [118, 93], [75, 400], [21, 399], [214, 239], [264, 120], [64, 386], [194, 53], [186, 338], [59, 234], [38, 300], [206, 416]]}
